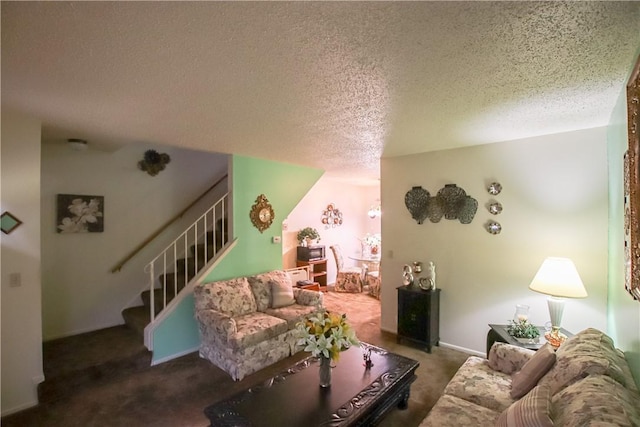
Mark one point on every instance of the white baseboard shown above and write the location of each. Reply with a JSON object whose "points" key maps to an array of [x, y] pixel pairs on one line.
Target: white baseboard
{"points": [[82, 331], [462, 349], [446, 345], [18, 408], [175, 356]]}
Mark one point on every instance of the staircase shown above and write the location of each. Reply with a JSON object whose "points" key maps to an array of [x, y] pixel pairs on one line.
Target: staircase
{"points": [[175, 275], [78, 362]]}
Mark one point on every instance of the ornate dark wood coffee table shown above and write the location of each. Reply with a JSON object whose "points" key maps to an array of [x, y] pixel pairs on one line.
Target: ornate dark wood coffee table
{"points": [[357, 396]]}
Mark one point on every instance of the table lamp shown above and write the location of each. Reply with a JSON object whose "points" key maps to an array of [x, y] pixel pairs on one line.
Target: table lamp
{"points": [[558, 278]]}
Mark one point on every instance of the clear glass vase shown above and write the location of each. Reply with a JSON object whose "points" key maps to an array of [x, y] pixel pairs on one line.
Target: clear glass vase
{"points": [[325, 372], [522, 313]]}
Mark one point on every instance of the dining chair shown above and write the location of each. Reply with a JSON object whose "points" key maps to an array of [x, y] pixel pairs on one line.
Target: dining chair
{"points": [[347, 279], [373, 281]]}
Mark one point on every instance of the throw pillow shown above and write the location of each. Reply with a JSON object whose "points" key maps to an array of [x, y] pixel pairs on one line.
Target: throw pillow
{"points": [[527, 377], [281, 294], [508, 358], [530, 411]]}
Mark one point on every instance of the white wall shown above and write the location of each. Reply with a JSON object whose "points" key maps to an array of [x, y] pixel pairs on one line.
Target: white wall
{"points": [[555, 204], [21, 306], [353, 200], [79, 293]]}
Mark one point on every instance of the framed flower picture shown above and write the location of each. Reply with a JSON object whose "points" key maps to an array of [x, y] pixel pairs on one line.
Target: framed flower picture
{"points": [[80, 214]]}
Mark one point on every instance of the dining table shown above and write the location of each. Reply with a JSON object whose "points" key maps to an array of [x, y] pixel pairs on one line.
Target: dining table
{"points": [[368, 262]]}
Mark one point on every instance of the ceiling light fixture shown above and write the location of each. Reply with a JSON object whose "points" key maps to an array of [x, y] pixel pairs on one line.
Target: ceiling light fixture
{"points": [[77, 144], [375, 210]]}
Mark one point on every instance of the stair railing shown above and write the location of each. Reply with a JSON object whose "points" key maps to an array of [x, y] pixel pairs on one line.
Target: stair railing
{"points": [[176, 257], [149, 239]]}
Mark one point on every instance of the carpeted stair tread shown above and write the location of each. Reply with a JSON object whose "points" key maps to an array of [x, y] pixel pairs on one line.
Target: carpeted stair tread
{"points": [[74, 362], [137, 318], [159, 297]]}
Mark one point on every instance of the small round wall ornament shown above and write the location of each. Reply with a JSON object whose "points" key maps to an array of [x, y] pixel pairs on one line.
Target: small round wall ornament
{"points": [[494, 188], [493, 227], [495, 208], [261, 213]]}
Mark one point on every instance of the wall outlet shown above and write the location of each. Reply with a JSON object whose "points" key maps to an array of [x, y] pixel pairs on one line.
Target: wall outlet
{"points": [[277, 239]]}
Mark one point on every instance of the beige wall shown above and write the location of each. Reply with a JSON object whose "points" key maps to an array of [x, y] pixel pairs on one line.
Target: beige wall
{"points": [[21, 306], [555, 204], [79, 292]]}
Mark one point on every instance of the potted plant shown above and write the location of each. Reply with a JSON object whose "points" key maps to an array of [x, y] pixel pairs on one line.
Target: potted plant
{"points": [[307, 234], [523, 331]]}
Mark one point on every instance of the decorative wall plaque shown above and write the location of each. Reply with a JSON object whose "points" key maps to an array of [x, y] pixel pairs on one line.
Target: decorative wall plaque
{"points": [[417, 202], [331, 217], [452, 202], [262, 213]]}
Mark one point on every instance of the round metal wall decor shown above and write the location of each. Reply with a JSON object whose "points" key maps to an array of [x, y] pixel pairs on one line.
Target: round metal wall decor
{"points": [[494, 188], [495, 208], [493, 227]]}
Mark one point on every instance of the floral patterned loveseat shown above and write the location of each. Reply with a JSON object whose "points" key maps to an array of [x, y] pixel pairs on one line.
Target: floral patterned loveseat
{"points": [[248, 323], [586, 382]]}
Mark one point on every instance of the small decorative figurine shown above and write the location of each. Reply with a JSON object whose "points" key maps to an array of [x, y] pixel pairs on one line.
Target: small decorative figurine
{"points": [[366, 355], [431, 275]]}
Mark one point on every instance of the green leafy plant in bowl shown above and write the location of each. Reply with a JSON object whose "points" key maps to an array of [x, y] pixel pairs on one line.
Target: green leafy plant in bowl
{"points": [[308, 233], [523, 329]]}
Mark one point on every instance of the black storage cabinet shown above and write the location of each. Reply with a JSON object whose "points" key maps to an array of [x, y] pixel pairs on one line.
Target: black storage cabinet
{"points": [[419, 316]]}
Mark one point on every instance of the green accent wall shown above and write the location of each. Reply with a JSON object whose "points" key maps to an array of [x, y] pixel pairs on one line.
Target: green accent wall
{"points": [[623, 313], [284, 185]]}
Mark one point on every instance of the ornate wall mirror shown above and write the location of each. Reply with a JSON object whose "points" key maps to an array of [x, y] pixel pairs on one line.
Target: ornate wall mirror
{"points": [[632, 187]]}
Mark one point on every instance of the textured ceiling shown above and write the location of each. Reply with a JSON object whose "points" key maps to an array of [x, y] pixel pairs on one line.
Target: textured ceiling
{"points": [[334, 85]]}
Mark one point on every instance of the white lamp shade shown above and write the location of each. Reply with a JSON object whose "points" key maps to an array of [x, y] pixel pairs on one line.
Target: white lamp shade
{"points": [[558, 277]]}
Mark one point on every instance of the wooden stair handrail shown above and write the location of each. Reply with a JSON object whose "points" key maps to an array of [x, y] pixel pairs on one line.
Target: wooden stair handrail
{"points": [[149, 239]]}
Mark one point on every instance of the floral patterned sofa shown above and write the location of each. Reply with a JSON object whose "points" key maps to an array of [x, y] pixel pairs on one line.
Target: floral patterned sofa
{"points": [[586, 382], [248, 323]]}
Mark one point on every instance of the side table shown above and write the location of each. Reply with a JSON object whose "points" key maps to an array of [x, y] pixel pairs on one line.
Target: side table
{"points": [[498, 333]]}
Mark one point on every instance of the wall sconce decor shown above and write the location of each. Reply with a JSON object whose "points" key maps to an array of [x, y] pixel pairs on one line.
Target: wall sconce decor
{"points": [[153, 162], [452, 202], [331, 217], [8, 222]]}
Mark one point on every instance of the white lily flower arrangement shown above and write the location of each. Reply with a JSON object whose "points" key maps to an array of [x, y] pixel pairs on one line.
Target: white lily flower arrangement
{"points": [[326, 334]]}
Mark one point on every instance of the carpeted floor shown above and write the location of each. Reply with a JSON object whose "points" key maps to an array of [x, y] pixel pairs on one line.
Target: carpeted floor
{"points": [[175, 393]]}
